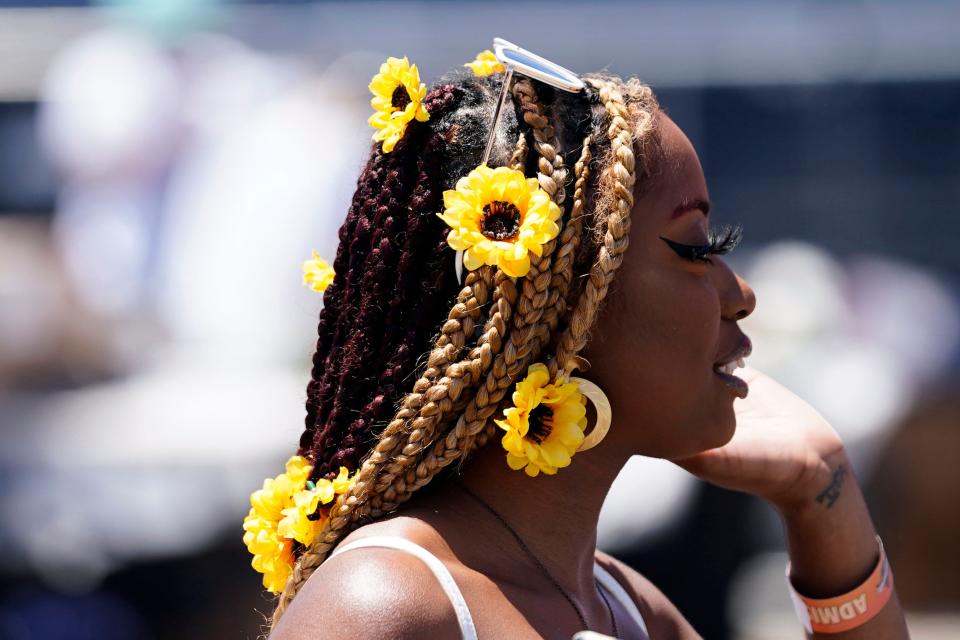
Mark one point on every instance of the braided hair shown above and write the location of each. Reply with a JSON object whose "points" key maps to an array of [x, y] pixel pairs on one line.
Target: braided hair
{"points": [[395, 313]]}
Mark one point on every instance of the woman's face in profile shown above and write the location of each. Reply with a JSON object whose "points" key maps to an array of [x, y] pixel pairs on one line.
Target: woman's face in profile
{"points": [[669, 320]]}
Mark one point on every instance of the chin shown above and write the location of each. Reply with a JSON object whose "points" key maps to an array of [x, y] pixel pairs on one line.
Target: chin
{"points": [[712, 432], [722, 430], [701, 434]]}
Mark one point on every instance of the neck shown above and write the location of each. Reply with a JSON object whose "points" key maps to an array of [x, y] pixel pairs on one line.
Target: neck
{"points": [[555, 516]]}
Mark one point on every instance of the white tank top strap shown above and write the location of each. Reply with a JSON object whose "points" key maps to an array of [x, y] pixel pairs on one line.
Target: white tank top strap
{"points": [[617, 591], [467, 629]]}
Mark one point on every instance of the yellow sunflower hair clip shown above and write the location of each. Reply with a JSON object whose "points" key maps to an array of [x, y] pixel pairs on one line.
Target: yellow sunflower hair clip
{"points": [[498, 215], [546, 423], [397, 99]]}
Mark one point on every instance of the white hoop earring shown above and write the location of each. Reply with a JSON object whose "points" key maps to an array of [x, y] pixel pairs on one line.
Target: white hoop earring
{"points": [[604, 413]]}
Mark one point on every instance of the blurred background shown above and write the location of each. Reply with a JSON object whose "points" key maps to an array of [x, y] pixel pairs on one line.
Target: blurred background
{"points": [[166, 165]]}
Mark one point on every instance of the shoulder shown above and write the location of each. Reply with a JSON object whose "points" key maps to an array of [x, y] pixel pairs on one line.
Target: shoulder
{"points": [[661, 616], [372, 592]]}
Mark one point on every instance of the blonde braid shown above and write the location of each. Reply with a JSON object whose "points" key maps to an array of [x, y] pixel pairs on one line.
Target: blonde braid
{"points": [[617, 180], [519, 158], [459, 378], [562, 274], [458, 328], [521, 346], [551, 176], [613, 214], [384, 497], [530, 306], [569, 243]]}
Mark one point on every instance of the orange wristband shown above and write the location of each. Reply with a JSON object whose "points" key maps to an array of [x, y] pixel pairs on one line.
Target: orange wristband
{"points": [[847, 611]]}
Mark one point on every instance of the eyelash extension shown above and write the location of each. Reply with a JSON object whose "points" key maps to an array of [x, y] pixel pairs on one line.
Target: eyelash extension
{"points": [[721, 242]]}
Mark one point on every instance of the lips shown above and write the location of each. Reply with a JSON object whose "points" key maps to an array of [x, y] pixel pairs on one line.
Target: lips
{"points": [[732, 361]]}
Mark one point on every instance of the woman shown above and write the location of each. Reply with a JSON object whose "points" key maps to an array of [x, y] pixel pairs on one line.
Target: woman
{"points": [[422, 386]]}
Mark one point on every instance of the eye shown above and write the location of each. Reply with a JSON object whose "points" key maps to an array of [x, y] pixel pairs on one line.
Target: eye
{"points": [[721, 242]]}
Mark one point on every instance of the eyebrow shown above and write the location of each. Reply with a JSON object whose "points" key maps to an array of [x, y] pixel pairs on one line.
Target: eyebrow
{"points": [[689, 205]]}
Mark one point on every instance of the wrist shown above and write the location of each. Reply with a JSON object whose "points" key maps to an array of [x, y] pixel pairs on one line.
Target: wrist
{"points": [[821, 486], [849, 610], [830, 536]]}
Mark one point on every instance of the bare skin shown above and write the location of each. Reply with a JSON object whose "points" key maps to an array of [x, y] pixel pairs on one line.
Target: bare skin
{"points": [[667, 323]]}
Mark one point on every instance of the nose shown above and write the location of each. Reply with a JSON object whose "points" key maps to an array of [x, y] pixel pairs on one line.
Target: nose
{"points": [[737, 299]]}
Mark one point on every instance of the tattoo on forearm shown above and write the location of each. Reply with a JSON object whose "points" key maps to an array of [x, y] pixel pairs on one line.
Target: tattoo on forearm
{"points": [[832, 492]]}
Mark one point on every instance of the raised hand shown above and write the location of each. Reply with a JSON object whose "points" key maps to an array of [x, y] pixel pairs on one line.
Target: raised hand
{"points": [[786, 452], [783, 449]]}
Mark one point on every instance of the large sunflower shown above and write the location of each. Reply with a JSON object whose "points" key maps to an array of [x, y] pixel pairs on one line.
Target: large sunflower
{"points": [[397, 99], [497, 216], [545, 425]]}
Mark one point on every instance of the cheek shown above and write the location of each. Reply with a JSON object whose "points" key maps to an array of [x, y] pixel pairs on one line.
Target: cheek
{"points": [[675, 319], [658, 340]]}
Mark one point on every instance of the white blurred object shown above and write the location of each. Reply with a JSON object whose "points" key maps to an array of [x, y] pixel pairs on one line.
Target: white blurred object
{"points": [[802, 292], [109, 120], [856, 341], [31, 296], [154, 465], [109, 105], [103, 232], [246, 207], [906, 311], [648, 496], [224, 81]]}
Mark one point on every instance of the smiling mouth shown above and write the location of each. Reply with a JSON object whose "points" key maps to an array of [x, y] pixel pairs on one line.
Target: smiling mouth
{"points": [[739, 386], [730, 367], [735, 361]]}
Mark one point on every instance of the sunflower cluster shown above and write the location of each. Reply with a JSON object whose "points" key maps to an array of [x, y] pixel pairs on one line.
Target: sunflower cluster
{"points": [[288, 509]]}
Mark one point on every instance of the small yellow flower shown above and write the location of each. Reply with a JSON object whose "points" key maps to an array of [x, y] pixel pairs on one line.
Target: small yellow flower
{"points": [[317, 274], [545, 425], [397, 99], [342, 481], [497, 216], [302, 522], [272, 555], [486, 64], [298, 470], [288, 508]]}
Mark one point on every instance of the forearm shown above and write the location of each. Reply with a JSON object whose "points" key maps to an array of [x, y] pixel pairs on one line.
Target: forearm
{"points": [[833, 548]]}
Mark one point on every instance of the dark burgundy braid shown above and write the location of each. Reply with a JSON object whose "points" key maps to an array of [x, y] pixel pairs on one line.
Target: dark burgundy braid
{"points": [[394, 279], [380, 173], [333, 296]]}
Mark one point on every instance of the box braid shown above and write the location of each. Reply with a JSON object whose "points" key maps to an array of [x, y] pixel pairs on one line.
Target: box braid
{"points": [[356, 328], [394, 280], [530, 305]]}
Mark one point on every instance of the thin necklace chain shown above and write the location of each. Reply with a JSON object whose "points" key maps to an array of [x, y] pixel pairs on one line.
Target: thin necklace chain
{"points": [[540, 565]]}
